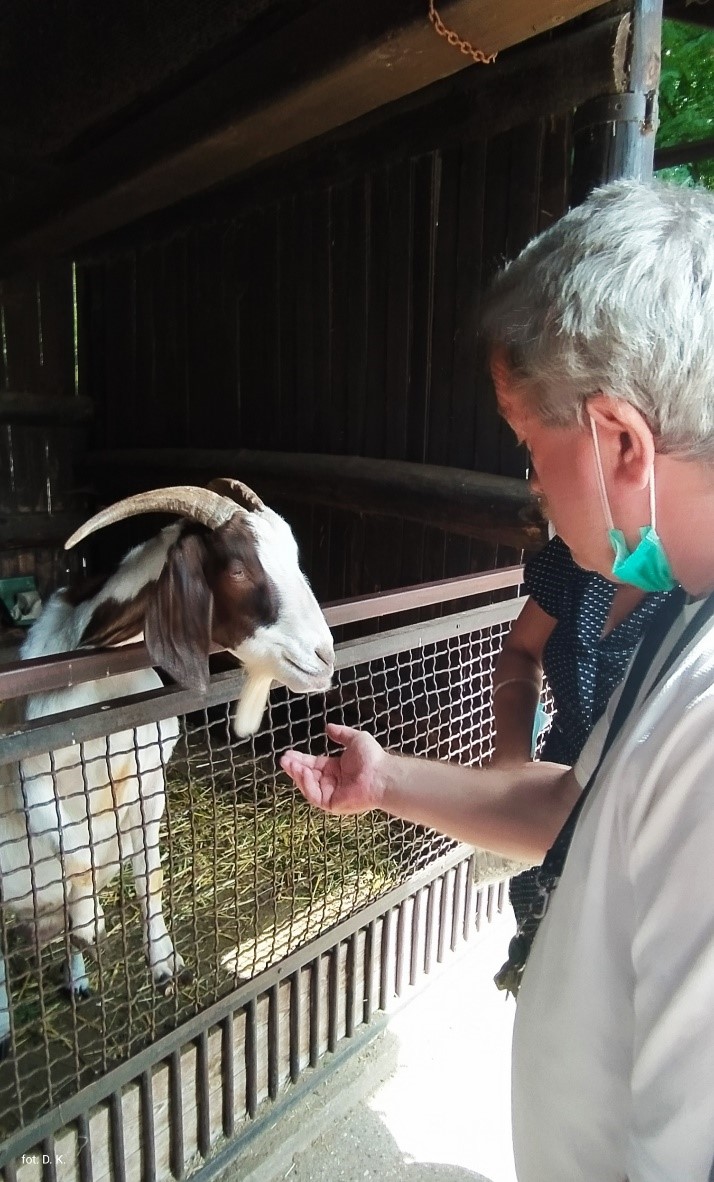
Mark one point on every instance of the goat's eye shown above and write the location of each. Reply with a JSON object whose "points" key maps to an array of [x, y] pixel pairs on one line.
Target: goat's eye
{"points": [[236, 571]]}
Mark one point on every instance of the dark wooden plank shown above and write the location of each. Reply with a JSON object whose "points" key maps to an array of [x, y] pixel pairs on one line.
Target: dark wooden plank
{"points": [[289, 292], [21, 333], [56, 315], [357, 312], [377, 248], [304, 294], [442, 427], [107, 346], [463, 448], [557, 150], [171, 342], [426, 185], [399, 310], [341, 233], [495, 233], [525, 151]]}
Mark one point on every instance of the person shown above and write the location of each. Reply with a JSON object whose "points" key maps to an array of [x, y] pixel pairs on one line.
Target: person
{"points": [[580, 631], [602, 349]]}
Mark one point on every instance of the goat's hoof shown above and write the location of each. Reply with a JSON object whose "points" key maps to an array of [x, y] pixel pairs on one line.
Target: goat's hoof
{"points": [[167, 983], [78, 992]]}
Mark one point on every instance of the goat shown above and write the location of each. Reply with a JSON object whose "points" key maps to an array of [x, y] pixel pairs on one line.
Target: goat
{"points": [[226, 574]]}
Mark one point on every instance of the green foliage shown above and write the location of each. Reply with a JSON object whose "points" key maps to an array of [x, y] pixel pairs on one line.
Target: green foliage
{"points": [[686, 97]]}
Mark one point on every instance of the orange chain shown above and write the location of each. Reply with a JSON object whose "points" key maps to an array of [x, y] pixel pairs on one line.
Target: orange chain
{"points": [[453, 38]]}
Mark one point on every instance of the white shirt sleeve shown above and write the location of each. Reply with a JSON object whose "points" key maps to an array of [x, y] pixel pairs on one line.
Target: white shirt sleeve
{"points": [[668, 827]]}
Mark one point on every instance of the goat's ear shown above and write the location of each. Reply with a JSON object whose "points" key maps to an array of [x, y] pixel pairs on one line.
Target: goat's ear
{"points": [[178, 622]]}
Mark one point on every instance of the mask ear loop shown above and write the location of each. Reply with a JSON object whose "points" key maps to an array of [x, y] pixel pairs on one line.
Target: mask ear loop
{"points": [[601, 478], [653, 511]]}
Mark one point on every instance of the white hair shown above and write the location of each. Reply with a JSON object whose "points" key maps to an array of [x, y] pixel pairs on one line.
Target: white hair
{"points": [[618, 297]]}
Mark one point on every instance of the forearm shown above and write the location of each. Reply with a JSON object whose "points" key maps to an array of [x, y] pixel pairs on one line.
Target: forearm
{"points": [[517, 683], [516, 812]]}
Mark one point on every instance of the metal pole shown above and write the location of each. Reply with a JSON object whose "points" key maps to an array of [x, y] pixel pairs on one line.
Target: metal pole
{"points": [[614, 134]]}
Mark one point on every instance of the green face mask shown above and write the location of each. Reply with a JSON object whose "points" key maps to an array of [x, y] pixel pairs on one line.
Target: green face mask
{"points": [[647, 566]]}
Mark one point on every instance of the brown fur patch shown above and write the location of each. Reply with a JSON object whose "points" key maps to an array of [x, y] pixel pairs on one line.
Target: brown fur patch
{"points": [[113, 622]]}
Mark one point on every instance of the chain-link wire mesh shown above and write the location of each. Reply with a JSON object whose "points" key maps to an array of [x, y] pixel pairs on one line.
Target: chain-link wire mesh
{"points": [[250, 873]]}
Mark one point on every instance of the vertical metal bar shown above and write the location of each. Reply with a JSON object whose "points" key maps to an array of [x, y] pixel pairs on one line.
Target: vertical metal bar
{"points": [[203, 1100], [369, 943], [49, 1163], [414, 951], [84, 1149], [228, 1075], [333, 986], [490, 898], [468, 900], [274, 1041], [116, 1136], [443, 912], [501, 894], [456, 913], [384, 994], [429, 930], [295, 1024], [351, 986], [399, 954], [251, 1059], [479, 910], [176, 1148], [315, 1012], [148, 1141]]}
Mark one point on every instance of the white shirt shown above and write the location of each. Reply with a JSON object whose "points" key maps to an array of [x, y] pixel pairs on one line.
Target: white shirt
{"points": [[613, 1053]]}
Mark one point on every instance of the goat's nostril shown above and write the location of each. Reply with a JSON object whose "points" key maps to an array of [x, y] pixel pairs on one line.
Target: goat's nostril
{"points": [[325, 654]]}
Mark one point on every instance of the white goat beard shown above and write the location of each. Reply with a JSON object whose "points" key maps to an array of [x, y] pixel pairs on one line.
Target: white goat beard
{"points": [[250, 707]]}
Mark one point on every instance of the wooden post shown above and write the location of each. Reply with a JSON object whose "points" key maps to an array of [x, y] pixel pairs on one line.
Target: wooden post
{"points": [[614, 134]]}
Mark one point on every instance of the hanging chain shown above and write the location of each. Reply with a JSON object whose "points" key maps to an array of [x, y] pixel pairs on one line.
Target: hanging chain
{"points": [[453, 38]]}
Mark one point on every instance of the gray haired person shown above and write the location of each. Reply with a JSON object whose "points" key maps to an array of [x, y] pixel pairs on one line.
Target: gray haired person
{"points": [[602, 353]]}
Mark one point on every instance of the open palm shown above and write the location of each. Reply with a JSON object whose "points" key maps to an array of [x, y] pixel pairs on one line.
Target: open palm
{"points": [[352, 782]]}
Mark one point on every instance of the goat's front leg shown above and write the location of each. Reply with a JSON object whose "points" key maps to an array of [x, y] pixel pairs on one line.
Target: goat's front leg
{"points": [[165, 962]]}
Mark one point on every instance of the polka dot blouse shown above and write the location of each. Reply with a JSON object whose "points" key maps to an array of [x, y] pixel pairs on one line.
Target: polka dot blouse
{"points": [[582, 667]]}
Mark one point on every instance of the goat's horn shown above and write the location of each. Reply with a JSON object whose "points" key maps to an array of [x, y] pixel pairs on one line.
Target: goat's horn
{"points": [[200, 504], [227, 486]]}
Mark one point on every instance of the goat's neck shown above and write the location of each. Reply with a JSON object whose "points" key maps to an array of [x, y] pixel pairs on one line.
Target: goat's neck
{"points": [[113, 613]]}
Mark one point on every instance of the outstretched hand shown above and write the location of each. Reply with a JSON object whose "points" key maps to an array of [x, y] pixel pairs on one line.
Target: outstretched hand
{"points": [[352, 782]]}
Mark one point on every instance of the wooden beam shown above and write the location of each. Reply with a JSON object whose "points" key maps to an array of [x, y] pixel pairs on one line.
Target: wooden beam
{"points": [[472, 504], [44, 408], [684, 153], [326, 68], [19, 531]]}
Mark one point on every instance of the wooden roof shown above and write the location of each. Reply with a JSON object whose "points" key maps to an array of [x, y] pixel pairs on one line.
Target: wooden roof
{"points": [[110, 111]]}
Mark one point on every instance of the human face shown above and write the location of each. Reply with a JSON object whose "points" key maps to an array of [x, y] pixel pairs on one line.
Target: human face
{"points": [[562, 471]]}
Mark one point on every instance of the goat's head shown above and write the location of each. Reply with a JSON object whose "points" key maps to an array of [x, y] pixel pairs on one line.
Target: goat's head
{"points": [[232, 577]]}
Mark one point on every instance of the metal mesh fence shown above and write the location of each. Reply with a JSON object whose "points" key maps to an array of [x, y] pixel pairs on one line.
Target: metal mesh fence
{"points": [[250, 873]]}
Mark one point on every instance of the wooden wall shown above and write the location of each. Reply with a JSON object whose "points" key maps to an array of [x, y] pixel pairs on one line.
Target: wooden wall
{"points": [[42, 424], [330, 308]]}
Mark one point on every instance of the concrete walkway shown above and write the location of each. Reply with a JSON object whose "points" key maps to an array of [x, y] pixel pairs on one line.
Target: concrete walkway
{"points": [[426, 1101]]}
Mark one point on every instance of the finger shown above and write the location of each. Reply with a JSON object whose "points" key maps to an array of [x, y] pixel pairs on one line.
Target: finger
{"points": [[302, 759], [341, 734], [312, 787]]}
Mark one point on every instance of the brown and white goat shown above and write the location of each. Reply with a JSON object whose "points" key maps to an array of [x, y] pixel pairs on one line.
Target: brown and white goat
{"points": [[227, 574]]}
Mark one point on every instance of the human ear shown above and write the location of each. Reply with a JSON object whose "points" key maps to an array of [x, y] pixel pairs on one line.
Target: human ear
{"points": [[624, 437]]}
